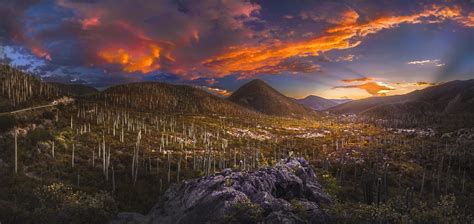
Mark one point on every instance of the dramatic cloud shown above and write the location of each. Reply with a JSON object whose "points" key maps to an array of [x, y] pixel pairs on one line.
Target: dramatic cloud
{"points": [[435, 62], [348, 33], [210, 40], [373, 88]]}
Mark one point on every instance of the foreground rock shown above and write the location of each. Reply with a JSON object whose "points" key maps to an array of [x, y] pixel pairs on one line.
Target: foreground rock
{"points": [[285, 193]]}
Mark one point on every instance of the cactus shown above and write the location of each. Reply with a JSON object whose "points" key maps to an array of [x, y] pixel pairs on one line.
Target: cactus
{"points": [[16, 150]]}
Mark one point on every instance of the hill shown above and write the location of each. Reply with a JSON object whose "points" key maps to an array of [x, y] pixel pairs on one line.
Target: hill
{"points": [[74, 89], [316, 102], [259, 96], [20, 89], [169, 98], [455, 97]]}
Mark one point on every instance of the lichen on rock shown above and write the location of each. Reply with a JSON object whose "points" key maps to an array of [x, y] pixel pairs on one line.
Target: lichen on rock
{"points": [[285, 193]]}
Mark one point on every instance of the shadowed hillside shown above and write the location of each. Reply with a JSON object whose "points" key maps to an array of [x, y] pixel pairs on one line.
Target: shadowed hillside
{"points": [[448, 98], [168, 98], [448, 104], [74, 89], [19, 89]]}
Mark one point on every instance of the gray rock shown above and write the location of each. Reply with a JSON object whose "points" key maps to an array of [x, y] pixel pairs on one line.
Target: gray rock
{"points": [[130, 218], [285, 193]]}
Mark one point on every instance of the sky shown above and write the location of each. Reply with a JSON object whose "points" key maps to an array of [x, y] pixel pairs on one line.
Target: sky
{"points": [[334, 49]]}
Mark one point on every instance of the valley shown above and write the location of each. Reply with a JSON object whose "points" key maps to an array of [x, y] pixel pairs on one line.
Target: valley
{"points": [[103, 153]]}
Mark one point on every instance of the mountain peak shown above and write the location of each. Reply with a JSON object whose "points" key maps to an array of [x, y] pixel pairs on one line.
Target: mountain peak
{"points": [[317, 102], [260, 96]]}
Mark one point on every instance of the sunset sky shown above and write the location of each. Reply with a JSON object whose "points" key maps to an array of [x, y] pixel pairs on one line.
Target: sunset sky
{"points": [[334, 49]]}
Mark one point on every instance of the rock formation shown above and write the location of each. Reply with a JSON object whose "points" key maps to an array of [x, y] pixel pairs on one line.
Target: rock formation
{"points": [[285, 193]]}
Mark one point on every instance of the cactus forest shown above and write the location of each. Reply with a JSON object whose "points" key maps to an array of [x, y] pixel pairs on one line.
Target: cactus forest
{"points": [[85, 158]]}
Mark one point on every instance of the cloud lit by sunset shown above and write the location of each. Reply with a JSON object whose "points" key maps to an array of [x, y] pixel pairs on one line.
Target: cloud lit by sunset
{"points": [[312, 46]]}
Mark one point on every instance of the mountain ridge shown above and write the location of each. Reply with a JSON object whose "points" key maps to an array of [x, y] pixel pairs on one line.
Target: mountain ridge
{"points": [[450, 97], [169, 98], [317, 102]]}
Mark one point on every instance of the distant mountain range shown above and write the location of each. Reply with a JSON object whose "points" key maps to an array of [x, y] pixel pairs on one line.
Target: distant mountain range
{"points": [[256, 96], [448, 98], [259, 96], [317, 102]]}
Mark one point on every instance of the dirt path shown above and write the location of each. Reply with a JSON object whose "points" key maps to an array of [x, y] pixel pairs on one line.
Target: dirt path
{"points": [[26, 109]]}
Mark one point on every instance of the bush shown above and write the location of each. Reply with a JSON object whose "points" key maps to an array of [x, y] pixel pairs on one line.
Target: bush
{"points": [[38, 135], [7, 122], [64, 204], [48, 115]]}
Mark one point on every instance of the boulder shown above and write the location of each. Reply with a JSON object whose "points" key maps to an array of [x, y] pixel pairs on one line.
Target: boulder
{"points": [[286, 193]]}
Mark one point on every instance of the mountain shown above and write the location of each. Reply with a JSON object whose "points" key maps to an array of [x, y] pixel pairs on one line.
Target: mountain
{"points": [[340, 101], [169, 98], [450, 98], [259, 96], [74, 89], [316, 102]]}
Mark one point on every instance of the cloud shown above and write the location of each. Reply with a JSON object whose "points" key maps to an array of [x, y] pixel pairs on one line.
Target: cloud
{"points": [[332, 13], [293, 65], [348, 33], [435, 62], [425, 84], [373, 88], [349, 57], [215, 91], [193, 39], [362, 79], [128, 36]]}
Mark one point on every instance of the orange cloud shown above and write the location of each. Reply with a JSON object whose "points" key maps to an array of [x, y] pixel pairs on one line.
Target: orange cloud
{"points": [[425, 84], [373, 88], [467, 21], [90, 22], [142, 60], [363, 79], [141, 55], [41, 53], [347, 34]]}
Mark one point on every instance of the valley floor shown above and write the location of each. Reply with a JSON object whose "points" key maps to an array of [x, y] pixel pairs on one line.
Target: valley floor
{"points": [[85, 162]]}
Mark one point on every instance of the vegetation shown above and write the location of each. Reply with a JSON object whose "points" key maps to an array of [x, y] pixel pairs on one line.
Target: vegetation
{"points": [[84, 162], [7, 123]]}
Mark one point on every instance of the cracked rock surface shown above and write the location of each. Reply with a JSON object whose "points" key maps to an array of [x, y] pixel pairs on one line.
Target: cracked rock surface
{"points": [[285, 193]]}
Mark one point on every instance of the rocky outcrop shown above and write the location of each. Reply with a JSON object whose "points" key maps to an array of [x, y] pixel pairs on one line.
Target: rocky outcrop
{"points": [[285, 193]]}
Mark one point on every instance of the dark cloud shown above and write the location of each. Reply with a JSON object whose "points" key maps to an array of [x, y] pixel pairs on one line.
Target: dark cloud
{"points": [[199, 41]]}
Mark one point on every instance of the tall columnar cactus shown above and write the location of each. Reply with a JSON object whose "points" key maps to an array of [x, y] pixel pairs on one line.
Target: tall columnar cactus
{"points": [[16, 150]]}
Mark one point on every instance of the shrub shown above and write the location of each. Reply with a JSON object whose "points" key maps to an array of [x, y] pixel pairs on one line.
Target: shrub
{"points": [[7, 122], [48, 115], [73, 206]]}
